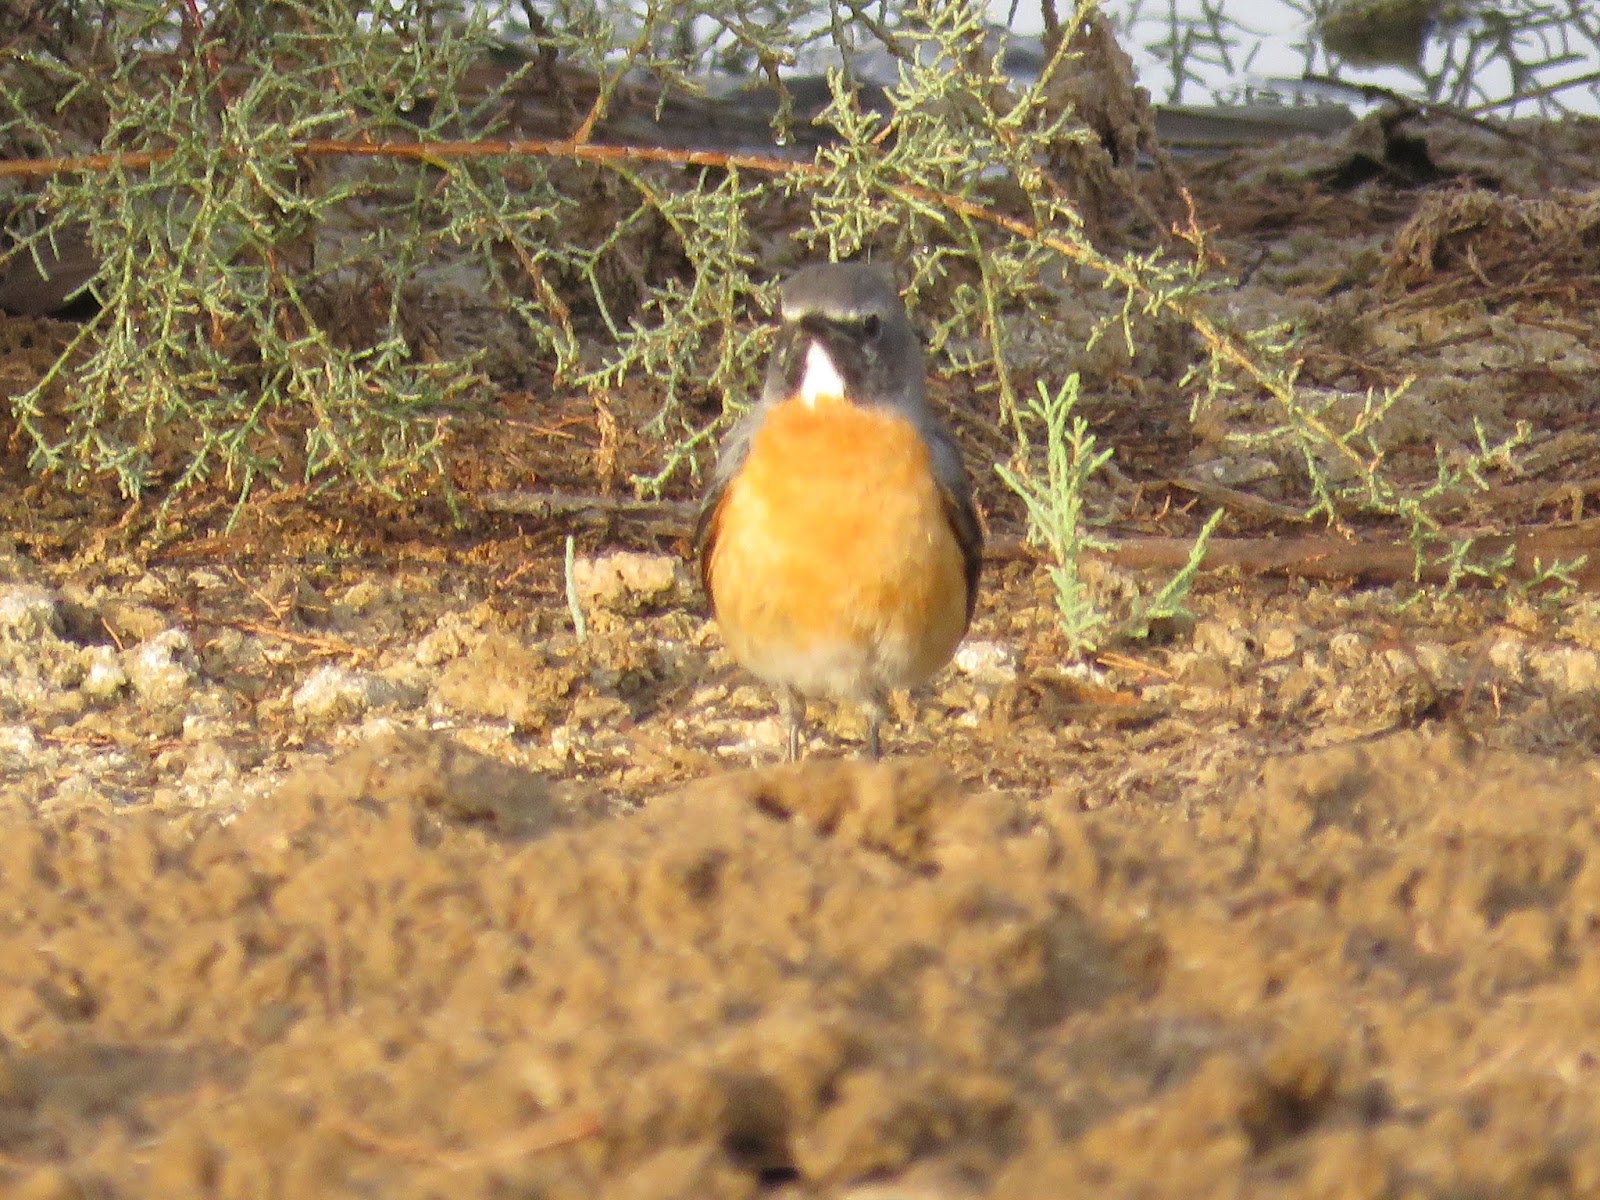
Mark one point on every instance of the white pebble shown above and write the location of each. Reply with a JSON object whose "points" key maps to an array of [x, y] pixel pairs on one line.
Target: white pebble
{"points": [[989, 663], [28, 613], [162, 668]]}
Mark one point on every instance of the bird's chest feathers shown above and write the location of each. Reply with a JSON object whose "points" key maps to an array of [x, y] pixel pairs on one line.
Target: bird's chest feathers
{"points": [[836, 569], [830, 466]]}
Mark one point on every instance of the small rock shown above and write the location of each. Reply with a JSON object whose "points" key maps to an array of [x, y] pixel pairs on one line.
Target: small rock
{"points": [[1278, 640], [206, 580], [1237, 472], [1349, 650], [103, 674], [561, 742], [209, 764], [629, 582], [452, 636], [148, 585], [17, 741], [1222, 640], [1509, 656], [206, 726], [130, 622], [1298, 689], [28, 613], [361, 596], [377, 727], [1445, 665], [1569, 669], [21, 688], [231, 652], [335, 693], [705, 697], [988, 663], [162, 669], [410, 678]]}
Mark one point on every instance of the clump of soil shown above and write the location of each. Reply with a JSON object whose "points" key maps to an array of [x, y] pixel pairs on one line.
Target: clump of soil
{"points": [[1490, 241]]}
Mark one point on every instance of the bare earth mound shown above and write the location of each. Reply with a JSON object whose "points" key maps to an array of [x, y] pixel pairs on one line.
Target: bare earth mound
{"points": [[420, 973]]}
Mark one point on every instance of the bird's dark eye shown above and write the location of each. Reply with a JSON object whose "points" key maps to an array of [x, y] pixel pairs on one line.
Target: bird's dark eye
{"points": [[870, 324]]}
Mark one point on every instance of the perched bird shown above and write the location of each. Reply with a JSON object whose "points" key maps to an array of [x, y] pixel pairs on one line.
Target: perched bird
{"points": [[837, 541]]}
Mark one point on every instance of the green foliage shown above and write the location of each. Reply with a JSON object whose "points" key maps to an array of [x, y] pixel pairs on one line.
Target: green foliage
{"points": [[300, 207], [266, 291], [1057, 523], [1169, 601], [1055, 506], [255, 306]]}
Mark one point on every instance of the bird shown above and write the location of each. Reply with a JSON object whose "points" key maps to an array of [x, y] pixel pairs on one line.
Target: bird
{"points": [[837, 540]]}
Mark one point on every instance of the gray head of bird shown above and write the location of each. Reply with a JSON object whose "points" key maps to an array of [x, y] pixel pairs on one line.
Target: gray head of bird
{"points": [[845, 337]]}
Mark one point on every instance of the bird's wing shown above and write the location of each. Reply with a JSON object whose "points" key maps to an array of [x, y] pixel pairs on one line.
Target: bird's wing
{"points": [[731, 455], [955, 492]]}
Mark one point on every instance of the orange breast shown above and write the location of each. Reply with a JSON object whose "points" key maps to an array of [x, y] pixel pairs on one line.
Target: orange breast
{"points": [[835, 570]]}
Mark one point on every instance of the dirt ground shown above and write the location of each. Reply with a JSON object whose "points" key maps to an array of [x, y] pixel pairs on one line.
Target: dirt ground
{"points": [[335, 863]]}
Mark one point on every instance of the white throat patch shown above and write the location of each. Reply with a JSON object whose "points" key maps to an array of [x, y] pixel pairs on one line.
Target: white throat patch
{"points": [[821, 380]]}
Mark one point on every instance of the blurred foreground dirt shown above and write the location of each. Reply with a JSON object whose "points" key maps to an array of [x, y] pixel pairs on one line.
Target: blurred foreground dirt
{"points": [[415, 972]]}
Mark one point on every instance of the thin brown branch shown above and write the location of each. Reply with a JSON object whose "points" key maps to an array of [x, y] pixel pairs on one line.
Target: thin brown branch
{"points": [[432, 152], [322, 645], [1240, 503], [193, 40], [1372, 563], [585, 129], [607, 87], [1316, 557]]}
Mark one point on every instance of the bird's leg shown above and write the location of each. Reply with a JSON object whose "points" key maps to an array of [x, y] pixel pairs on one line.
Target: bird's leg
{"points": [[876, 710], [793, 707]]}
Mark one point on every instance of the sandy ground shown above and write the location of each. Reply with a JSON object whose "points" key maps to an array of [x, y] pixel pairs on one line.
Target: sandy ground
{"points": [[335, 863]]}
